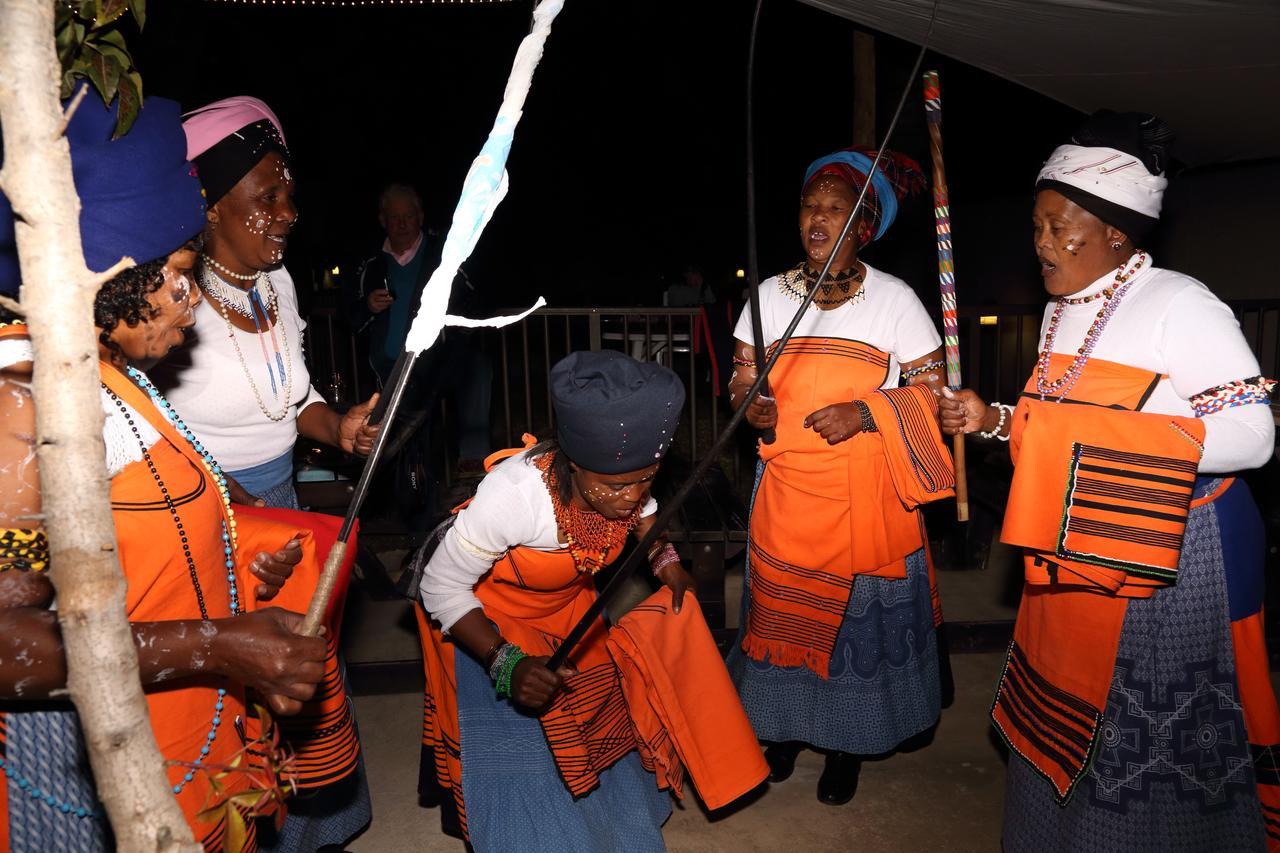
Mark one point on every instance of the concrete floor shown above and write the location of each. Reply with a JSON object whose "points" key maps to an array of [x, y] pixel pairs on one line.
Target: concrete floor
{"points": [[944, 797]]}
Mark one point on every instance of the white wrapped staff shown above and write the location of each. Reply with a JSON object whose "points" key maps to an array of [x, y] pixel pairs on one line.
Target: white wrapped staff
{"points": [[483, 189]]}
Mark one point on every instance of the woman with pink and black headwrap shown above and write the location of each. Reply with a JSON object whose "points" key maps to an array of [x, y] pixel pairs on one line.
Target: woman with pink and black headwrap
{"points": [[244, 388], [837, 649], [245, 391]]}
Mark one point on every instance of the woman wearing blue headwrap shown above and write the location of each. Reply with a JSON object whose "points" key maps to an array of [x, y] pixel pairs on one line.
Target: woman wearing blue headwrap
{"points": [[837, 649], [195, 576]]}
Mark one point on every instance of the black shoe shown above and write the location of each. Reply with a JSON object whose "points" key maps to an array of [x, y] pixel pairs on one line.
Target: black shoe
{"points": [[839, 781], [781, 758]]}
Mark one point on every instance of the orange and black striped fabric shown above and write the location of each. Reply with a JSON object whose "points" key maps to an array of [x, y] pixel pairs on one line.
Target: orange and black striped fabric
{"points": [[862, 493], [1099, 504], [322, 735], [535, 598], [1100, 493]]}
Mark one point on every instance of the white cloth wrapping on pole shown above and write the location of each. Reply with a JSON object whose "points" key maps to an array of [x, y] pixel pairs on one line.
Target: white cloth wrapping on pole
{"points": [[482, 191]]}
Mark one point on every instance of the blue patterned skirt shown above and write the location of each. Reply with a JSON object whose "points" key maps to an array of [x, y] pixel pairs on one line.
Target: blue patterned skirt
{"points": [[1173, 771], [883, 685], [516, 800]]}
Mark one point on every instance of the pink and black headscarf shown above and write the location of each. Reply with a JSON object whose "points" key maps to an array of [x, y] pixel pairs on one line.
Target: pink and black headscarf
{"points": [[227, 138], [896, 177]]}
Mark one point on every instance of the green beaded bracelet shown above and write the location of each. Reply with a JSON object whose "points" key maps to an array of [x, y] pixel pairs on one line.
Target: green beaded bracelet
{"points": [[512, 657]]}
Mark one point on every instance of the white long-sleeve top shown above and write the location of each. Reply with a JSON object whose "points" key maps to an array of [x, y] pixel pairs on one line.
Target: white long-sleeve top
{"points": [[1173, 325], [206, 381], [511, 508]]}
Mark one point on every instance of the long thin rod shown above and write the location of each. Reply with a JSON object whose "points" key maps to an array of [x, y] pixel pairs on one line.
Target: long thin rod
{"points": [[768, 436], [672, 506], [946, 273], [391, 397]]}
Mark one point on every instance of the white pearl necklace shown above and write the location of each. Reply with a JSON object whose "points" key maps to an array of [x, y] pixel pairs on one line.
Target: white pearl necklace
{"points": [[288, 360], [236, 298]]}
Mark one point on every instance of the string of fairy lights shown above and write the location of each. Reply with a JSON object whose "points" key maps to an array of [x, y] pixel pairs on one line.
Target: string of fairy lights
{"points": [[350, 3]]}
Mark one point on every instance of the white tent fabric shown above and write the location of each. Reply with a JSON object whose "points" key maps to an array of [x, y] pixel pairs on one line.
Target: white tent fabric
{"points": [[1208, 67]]}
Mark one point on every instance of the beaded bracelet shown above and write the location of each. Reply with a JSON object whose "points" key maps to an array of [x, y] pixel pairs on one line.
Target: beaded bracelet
{"points": [[504, 665], [921, 369], [1005, 412], [864, 415], [664, 558]]}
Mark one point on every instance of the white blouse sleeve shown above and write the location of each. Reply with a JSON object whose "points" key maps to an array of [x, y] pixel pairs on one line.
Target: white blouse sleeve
{"points": [[1203, 348], [915, 335], [497, 519]]}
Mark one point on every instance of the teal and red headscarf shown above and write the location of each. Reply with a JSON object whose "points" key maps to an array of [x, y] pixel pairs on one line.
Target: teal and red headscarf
{"points": [[895, 177]]}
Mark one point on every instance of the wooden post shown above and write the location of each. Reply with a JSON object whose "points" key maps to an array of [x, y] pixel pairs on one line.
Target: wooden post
{"points": [[57, 296], [864, 89]]}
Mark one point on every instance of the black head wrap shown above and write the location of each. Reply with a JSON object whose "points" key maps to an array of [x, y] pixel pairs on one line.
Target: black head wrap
{"points": [[614, 414], [222, 166]]}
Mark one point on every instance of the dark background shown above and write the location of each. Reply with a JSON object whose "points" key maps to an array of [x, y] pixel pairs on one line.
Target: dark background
{"points": [[630, 159]]}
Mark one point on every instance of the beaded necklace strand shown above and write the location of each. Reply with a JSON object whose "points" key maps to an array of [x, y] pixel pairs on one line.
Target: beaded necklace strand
{"points": [[229, 538], [1111, 297], [589, 536], [282, 364]]}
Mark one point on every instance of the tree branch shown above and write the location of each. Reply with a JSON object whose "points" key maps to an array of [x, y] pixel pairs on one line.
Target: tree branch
{"points": [[12, 305]]}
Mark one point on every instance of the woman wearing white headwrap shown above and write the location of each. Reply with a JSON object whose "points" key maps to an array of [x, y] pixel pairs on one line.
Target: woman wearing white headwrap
{"points": [[1136, 695]]}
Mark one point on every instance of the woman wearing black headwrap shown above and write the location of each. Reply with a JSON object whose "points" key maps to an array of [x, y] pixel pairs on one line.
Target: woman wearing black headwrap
{"points": [[1136, 696], [509, 581], [244, 387]]}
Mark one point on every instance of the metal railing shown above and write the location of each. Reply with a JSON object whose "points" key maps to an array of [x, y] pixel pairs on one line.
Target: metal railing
{"points": [[998, 345], [527, 351]]}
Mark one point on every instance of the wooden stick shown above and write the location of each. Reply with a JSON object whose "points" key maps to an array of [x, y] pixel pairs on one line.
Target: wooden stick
{"points": [[946, 273]]}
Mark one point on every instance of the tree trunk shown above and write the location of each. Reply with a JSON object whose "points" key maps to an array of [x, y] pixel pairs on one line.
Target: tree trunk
{"points": [[57, 293]]}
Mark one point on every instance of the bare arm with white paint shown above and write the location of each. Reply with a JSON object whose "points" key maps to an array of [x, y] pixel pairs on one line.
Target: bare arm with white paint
{"points": [[258, 649]]}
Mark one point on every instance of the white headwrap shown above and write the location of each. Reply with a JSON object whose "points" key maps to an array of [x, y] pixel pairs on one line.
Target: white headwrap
{"points": [[1108, 174]]}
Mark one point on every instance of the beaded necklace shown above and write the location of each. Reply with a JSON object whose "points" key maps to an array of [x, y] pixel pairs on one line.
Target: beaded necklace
{"points": [[1061, 386], [589, 536], [282, 364], [229, 538], [798, 281], [239, 300]]}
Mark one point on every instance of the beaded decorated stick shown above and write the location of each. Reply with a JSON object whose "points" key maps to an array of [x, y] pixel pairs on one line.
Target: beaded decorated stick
{"points": [[946, 273]]}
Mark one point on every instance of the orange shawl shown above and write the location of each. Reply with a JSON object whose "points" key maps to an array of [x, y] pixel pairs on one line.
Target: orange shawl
{"points": [[824, 514], [160, 588], [322, 735], [1099, 503], [682, 704]]}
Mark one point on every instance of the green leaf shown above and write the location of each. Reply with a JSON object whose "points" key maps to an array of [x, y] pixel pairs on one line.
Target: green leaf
{"points": [[236, 830], [68, 84], [70, 42], [109, 11], [130, 92], [139, 8], [248, 799], [104, 73], [89, 9]]}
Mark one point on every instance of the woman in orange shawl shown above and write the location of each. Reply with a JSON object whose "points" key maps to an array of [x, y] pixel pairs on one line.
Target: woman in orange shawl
{"points": [[201, 638], [548, 761], [1136, 696], [837, 647]]}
